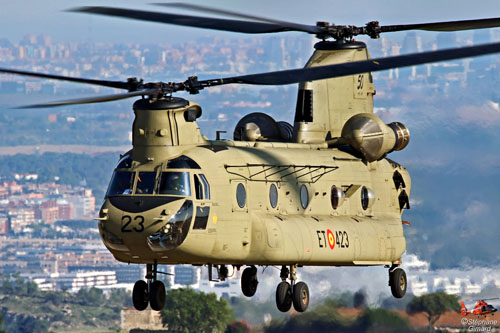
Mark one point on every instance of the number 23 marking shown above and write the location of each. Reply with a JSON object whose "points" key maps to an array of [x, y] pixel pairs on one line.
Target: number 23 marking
{"points": [[127, 219]]}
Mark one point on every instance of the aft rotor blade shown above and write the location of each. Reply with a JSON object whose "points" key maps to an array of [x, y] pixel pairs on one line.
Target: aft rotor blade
{"points": [[105, 83], [358, 67], [446, 26], [186, 20], [292, 26], [98, 99]]}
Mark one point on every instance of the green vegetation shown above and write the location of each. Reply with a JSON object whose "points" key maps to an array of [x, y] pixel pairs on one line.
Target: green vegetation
{"points": [[326, 318], [188, 311], [72, 169], [254, 313], [382, 320], [24, 308], [1, 323], [434, 305], [77, 125], [391, 303], [27, 309]]}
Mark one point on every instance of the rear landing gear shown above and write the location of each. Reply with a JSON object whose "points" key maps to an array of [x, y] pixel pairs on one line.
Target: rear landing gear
{"points": [[397, 281], [294, 293], [152, 292], [300, 296], [284, 296]]}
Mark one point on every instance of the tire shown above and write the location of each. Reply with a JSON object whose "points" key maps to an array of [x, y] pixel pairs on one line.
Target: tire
{"points": [[249, 281], [300, 297], [284, 296], [398, 282], [140, 295], [157, 295]]}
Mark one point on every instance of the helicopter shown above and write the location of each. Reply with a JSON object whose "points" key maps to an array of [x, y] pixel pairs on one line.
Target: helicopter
{"points": [[481, 309], [320, 192]]}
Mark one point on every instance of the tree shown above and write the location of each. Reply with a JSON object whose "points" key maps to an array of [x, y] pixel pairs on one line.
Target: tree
{"points": [[381, 320], [187, 311], [434, 305], [1, 323], [323, 317], [359, 299], [92, 296], [119, 297]]}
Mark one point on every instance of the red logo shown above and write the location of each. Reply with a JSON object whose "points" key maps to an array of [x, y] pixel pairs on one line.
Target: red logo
{"points": [[331, 238]]}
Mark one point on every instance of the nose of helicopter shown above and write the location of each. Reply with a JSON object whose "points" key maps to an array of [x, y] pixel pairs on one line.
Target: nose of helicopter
{"points": [[128, 222]]}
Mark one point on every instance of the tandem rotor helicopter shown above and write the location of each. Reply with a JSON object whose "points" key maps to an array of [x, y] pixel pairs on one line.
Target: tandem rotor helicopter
{"points": [[319, 193]]}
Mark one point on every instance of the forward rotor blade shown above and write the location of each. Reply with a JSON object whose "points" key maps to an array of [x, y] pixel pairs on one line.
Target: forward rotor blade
{"points": [[446, 26], [186, 20], [98, 99], [293, 26], [372, 65], [105, 83]]}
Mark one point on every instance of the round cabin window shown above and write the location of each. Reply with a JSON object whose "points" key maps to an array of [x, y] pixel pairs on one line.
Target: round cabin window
{"points": [[304, 196], [367, 197], [337, 197], [241, 195], [273, 196]]}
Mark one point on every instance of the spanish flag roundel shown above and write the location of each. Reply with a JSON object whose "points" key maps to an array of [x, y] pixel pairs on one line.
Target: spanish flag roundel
{"points": [[331, 238]]}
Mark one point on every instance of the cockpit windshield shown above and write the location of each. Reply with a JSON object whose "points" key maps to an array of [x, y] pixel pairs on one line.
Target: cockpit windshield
{"points": [[176, 183], [121, 183], [125, 162], [145, 183]]}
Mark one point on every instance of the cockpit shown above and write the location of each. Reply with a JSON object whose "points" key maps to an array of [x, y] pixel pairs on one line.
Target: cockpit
{"points": [[168, 181], [177, 180]]}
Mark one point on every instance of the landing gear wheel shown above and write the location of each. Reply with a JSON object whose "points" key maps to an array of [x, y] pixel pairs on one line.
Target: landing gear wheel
{"points": [[284, 296], [157, 295], [398, 283], [140, 295], [249, 281], [300, 297]]}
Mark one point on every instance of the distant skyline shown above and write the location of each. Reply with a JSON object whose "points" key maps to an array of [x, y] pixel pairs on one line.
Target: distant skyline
{"points": [[49, 17]]}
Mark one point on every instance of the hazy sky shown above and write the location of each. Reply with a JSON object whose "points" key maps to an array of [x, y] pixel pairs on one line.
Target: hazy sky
{"points": [[22, 17]]}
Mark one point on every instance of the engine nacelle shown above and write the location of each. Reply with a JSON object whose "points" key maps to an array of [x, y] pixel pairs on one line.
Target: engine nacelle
{"points": [[366, 133], [259, 126]]}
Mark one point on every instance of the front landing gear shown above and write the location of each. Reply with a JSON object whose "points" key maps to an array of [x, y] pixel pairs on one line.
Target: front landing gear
{"points": [[294, 293], [249, 281], [140, 295], [397, 281], [152, 292]]}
